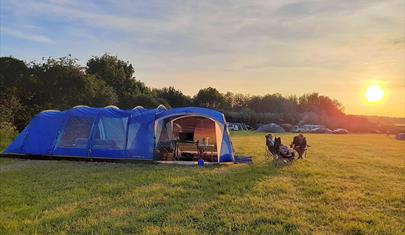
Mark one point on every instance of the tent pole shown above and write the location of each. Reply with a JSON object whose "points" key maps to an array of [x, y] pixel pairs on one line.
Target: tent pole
{"points": [[126, 137]]}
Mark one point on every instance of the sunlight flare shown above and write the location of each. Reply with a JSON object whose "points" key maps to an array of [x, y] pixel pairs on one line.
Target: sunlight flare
{"points": [[374, 94]]}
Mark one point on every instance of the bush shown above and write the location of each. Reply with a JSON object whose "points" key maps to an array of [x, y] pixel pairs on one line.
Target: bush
{"points": [[7, 134]]}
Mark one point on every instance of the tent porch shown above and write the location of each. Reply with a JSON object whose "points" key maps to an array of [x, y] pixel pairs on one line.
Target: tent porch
{"points": [[188, 138]]}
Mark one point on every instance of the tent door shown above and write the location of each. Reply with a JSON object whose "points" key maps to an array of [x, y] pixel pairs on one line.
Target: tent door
{"points": [[187, 138]]}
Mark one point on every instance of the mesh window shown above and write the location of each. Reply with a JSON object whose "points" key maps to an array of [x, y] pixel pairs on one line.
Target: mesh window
{"points": [[110, 133], [76, 133], [132, 133]]}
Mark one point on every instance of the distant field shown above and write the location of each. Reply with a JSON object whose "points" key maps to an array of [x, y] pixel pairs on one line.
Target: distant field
{"points": [[351, 184]]}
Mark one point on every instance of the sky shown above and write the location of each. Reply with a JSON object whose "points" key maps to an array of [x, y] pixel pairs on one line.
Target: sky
{"points": [[334, 47]]}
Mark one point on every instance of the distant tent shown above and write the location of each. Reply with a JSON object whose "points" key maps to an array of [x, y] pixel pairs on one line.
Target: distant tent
{"points": [[179, 134], [271, 127]]}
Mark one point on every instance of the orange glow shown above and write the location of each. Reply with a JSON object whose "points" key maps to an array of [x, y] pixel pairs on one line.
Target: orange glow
{"points": [[374, 94]]}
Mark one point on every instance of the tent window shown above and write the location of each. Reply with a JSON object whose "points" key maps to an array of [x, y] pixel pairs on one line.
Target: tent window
{"points": [[110, 133], [132, 134], [76, 133]]}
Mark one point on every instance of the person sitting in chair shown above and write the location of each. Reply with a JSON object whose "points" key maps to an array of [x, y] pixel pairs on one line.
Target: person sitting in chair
{"points": [[277, 148], [283, 150], [299, 144], [270, 144]]}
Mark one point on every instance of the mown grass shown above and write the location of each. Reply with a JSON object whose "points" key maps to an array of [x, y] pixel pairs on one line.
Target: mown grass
{"points": [[350, 184]]}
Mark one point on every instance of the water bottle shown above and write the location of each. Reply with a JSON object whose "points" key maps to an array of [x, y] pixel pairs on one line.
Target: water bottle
{"points": [[200, 163]]}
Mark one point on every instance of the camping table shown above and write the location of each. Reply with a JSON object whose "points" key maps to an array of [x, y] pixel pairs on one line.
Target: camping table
{"points": [[186, 146], [200, 149], [206, 147]]}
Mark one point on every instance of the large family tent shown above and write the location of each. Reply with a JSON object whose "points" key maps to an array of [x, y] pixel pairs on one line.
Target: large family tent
{"points": [[178, 134]]}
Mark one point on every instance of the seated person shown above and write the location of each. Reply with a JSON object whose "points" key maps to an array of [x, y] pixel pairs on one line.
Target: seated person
{"points": [[283, 150], [276, 147], [299, 144], [270, 144]]}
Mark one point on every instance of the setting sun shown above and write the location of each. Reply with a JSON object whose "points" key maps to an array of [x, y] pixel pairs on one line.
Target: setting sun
{"points": [[374, 94]]}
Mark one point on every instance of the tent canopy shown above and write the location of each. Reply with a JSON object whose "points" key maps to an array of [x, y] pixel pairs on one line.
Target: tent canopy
{"points": [[124, 134]]}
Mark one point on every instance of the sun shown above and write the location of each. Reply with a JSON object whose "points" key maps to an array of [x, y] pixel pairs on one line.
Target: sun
{"points": [[374, 94]]}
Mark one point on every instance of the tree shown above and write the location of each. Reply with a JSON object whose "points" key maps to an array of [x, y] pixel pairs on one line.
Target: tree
{"points": [[67, 85], [272, 103], [12, 72], [175, 98], [100, 93], [144, 100], [236, 101], [10, 106], [26, 89], [18, 90], [118, 74], [209, 98], [320, 104], [15, 79]]}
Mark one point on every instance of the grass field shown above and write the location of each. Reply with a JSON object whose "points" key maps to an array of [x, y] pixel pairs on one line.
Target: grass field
{"points": [[350, 184]]}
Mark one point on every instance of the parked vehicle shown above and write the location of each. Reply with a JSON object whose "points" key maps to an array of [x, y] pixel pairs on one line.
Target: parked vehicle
{"points": [[322, 130], [238, 126], [340, 131], [400, 136], [306, 128]]}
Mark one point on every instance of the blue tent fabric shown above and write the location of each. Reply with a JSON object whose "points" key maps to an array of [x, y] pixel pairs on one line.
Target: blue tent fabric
{"points": [[39, 136], [16, 145], [105, 133], [226, 149], [141, 145], [215, 115]]}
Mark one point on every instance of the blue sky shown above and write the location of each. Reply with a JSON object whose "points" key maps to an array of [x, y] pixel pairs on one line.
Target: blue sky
{"points": [[333, 47]]}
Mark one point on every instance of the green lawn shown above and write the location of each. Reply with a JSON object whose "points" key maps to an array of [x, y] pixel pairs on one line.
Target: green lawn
{"points": [[352, 184]]}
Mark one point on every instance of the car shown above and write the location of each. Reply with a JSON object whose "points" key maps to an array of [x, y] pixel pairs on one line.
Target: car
{"points": [[340, 131], [322, 130]]}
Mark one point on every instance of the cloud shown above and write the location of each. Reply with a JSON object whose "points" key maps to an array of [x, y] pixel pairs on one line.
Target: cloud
{"points": [[207, 27], [239, 45], [25, 36]]}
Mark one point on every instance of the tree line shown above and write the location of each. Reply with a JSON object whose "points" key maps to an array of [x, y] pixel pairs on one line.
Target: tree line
{"points": [[61, 83]]}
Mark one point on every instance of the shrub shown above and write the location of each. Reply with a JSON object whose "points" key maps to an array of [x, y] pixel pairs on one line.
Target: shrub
{"points": [[7, 134]]}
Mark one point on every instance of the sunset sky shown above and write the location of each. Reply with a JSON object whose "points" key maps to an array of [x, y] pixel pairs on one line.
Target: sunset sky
{"points": [[337, 48]]}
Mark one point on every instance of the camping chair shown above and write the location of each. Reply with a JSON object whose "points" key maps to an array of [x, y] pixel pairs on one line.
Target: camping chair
{"points": [[280, 154], [269, 148], [168, 150]]}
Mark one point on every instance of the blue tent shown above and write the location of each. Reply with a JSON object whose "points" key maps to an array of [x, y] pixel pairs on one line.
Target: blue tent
{"points": [[178, 134]]}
